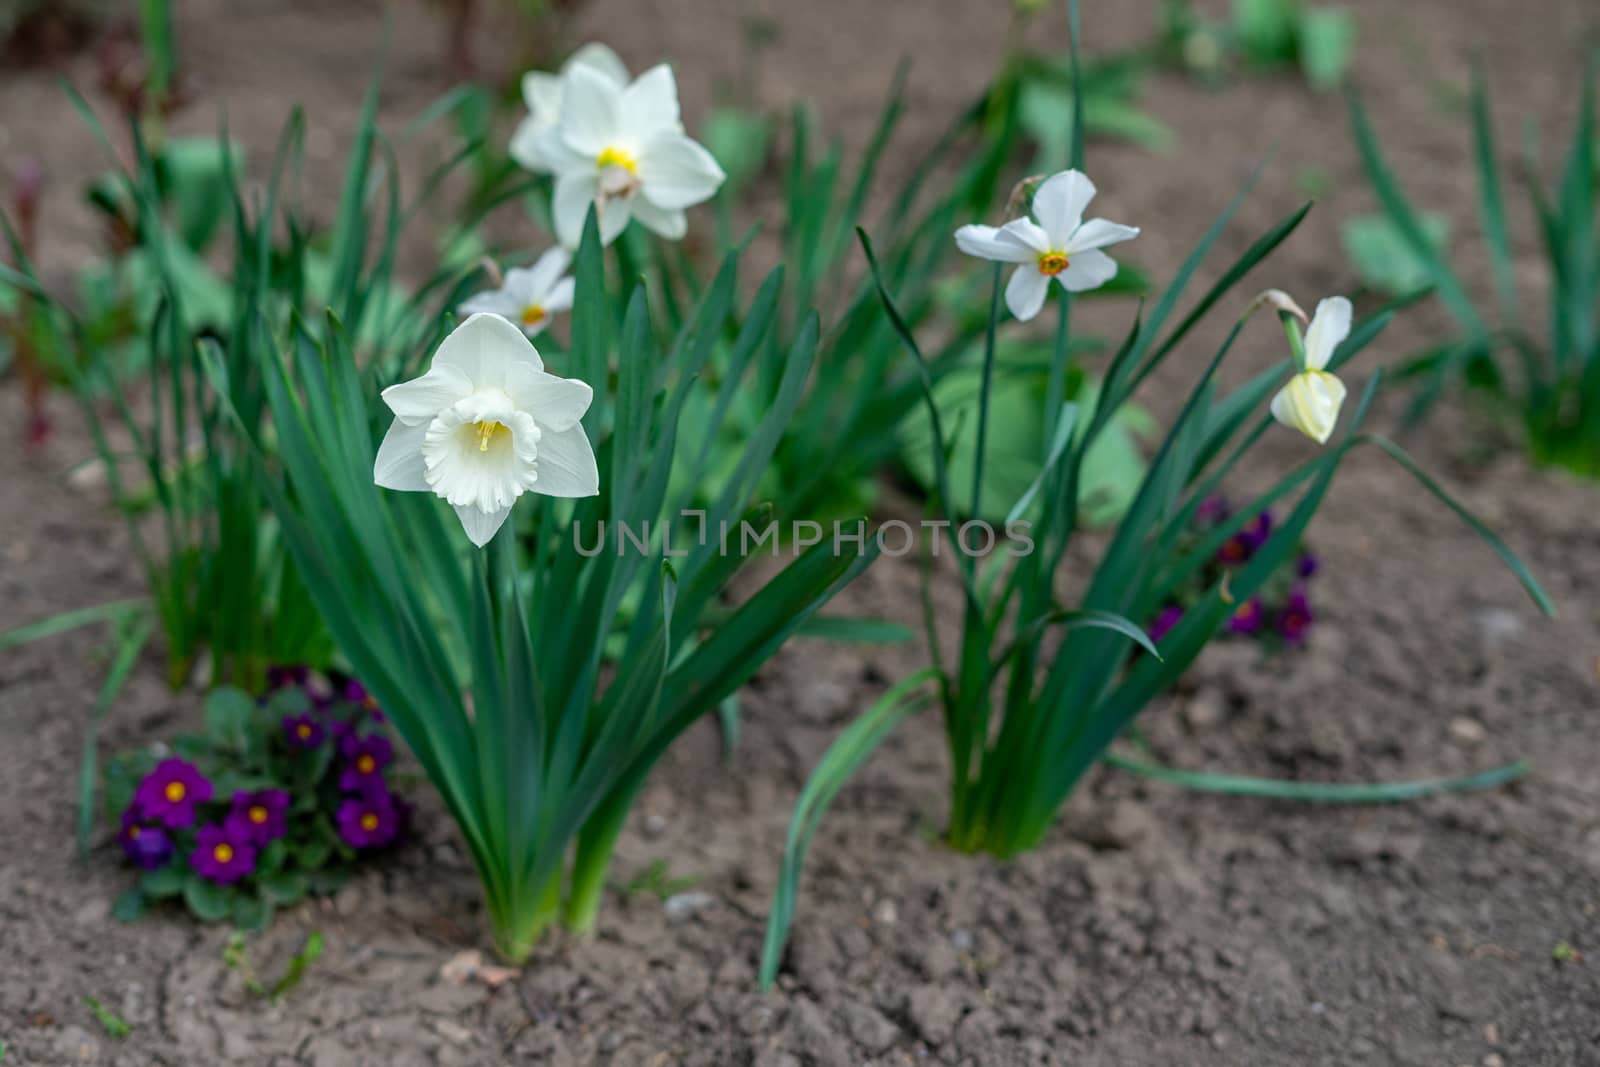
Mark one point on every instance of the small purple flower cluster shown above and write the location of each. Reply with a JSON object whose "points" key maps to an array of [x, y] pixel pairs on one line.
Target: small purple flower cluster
{"points": [[1281, 612], [305, 795]]}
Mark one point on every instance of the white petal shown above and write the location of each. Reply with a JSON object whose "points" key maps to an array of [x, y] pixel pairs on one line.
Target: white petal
{"points": [[525, 145], [614, 216], [601, 59], [1329, 326], [518, 288], [570, 205], [419, 400], [1059, 202], [559, 298], [494, 302], [1310, 403], [399, 464], [483, 348], [547, 153], [589, 110], [556, 404], [566, 465], [677, 172], [481, 526], [650, 106], [1028, 234], [541, 92], [1098, 233], [545, 272], [988, 242], [1026, 290], [1087, 270], [671, 225]]}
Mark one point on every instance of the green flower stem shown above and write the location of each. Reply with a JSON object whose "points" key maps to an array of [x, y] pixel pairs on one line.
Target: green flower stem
{"points": [[1297, 344], [592, 861], [515, 934]]}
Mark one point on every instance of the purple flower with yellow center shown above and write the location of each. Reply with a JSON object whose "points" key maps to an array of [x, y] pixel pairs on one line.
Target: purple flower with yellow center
{"points": [[1257, 530], [365, 759], [168, 794], [146, 844], [222, 856], [303, 731], [1306, 566], [1295, 618], [260, 817], [353, 692], [1247, 617], [370, 819], [1165, 620]]}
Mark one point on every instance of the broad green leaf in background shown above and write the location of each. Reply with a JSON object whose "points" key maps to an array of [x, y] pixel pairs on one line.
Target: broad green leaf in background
{"points": [[1383, 258], [1326, 40]]}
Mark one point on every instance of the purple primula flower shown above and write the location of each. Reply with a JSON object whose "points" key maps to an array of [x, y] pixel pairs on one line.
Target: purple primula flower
{"points": [[303, 731], [370, 819], [146, 844], [286, 675], [365, 757], [1213, 509], [260, 817], [1257, 530], [1234, 550], [222, 856], [1295, 618], [1247, 617], [169, 793], [355, 693], [1307, 566], [1165, 620]]}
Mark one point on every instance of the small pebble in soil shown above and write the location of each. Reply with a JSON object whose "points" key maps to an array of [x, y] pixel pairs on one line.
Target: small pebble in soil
{"points": [[681, 906], [1466, 731], [885, 913]]}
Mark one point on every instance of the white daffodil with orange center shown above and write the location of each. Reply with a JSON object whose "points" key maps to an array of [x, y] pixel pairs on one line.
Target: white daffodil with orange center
{"points": [[542, 94], [623, 150], [1311, 400], [1060, 245], [486, 424], [530, 296]]}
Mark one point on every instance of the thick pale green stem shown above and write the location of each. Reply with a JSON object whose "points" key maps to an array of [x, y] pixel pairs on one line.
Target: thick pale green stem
{"points": [[516, 928], [592, 860]]}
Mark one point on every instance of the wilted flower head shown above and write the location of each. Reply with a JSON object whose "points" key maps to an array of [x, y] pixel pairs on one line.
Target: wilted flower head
{"points": [[221, 856], [542, 93], [302, 731], [622, 148], [365, 759], [260, 817], [147, 844], [530, 295], [370, 819], [1061, 245], [1311, 400], [486, 424], [1247, 617], [169, 793]]}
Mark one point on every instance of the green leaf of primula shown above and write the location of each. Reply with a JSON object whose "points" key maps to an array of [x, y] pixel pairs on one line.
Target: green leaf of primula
{"points": [[284, 888], [206, 899], [1327, 37], [251, 913], [228, 715], [165, 881], [1382, 257], [129, 906]]}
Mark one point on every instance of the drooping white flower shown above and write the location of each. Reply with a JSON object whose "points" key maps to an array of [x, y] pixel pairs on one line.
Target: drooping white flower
{"points": [[1060, 245], [486, 424], [623, 149], [1311, 400], [530, 295], [541, 92]]}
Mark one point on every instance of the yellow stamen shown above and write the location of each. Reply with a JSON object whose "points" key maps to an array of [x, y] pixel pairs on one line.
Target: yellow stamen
{"points": [[303, 730], [486, 431], [133, 833], [258, 814], [616, 157], [175, 792], [1052, 263], [532, 315], [369, 822], [365, 764], [222, 853]]}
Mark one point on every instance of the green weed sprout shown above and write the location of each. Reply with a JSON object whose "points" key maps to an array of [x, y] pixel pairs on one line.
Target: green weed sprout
{"points": [[1550, 378]]}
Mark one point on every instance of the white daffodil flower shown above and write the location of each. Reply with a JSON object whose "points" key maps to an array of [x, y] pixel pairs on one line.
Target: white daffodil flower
{"points": [[485, 425], [1311, 400], [541, 92], [530, 295], [1061, 245], [623, 149]]}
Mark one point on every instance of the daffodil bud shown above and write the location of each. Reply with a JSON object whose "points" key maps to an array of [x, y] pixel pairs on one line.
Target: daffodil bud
{"points": [[1310, 403]]}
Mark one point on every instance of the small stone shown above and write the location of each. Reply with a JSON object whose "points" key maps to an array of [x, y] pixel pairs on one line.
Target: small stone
{"points": [[681, 906], [885, 914], [934, 1011], [452, 1032], [868, 1027], [1497, 625], [74, 1044], [655, 825], [347, 901], [1466, 731], [1493, 1059], [961, 939], [1205, 709]]}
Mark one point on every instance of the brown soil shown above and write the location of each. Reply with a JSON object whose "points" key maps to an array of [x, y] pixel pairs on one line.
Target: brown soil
{"points": [[1155, 926]]}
